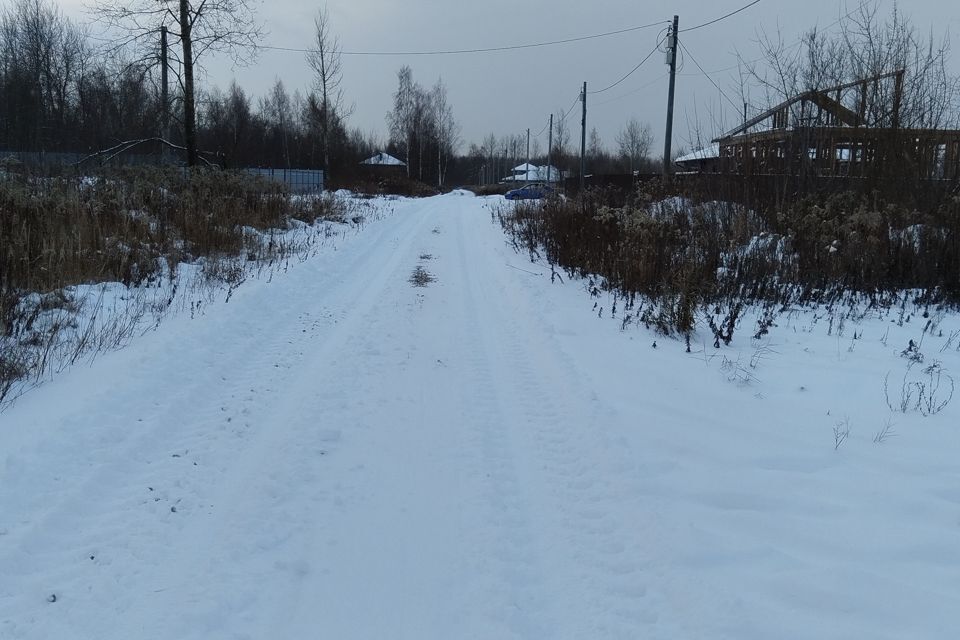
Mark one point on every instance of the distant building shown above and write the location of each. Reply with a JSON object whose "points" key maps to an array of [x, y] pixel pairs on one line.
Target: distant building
{"points": [[532, 173], [840, 132], [384, 160], [384, 164], [706, 160]]}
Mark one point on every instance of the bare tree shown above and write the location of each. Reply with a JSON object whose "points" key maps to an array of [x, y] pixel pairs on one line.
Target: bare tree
{"points": [[867, 46], [201, 26], [595, 151], [400, 119], [561, 139], [42, 55], [423, 123], [447, 129], [325, 60], [489, 149], [277, 110], [930, 93], [634, 142]]}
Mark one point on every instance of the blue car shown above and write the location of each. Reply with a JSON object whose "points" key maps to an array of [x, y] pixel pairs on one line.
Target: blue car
{"points": [[534, 191]]}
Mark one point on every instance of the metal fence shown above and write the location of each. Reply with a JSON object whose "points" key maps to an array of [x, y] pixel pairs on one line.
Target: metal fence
{"points": [[297, 180]]}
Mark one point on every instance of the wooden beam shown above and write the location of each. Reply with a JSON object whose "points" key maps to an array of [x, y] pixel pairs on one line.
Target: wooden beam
{"points": [[834, 108], [808, 95]]}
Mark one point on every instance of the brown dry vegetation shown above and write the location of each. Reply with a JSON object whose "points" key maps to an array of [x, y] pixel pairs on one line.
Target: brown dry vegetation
{"points": [[134, 227], [710, 259]]}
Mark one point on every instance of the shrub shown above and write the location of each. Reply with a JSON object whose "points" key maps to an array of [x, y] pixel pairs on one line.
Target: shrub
{"points": [[132, 226], [688, 257]]}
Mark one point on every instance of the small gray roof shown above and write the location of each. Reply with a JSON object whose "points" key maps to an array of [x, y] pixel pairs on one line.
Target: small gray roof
{"points": [[384, 159]]}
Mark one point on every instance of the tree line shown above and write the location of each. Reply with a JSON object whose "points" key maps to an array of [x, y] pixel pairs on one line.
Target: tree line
{"points": [[61, 89], [64, 89], [494, 158]]}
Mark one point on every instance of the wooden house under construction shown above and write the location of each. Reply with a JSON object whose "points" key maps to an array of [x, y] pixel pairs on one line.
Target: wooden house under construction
{"points": [[840, 132]]}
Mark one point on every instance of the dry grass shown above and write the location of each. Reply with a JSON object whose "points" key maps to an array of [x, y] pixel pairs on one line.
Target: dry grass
{"points": [[707, 260], [133, 227], [421, 277]]}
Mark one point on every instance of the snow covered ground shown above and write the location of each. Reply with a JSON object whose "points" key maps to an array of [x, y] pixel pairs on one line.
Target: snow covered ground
{"points": [[337, 453]]}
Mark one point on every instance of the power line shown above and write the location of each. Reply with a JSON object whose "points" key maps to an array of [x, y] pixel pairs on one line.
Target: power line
{"points": [[795, 43], [631, 72], [446, 52], [630, 93], [724, 17], [540, 133], [570, 110], [684, 47]]}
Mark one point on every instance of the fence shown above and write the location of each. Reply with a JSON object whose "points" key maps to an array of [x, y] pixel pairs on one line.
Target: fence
{"points": [[297, 180]]}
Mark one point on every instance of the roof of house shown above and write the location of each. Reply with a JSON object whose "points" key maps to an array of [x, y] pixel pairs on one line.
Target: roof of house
{"points": [[707, 153], [384, 159], [532, 173], [819, 97]]}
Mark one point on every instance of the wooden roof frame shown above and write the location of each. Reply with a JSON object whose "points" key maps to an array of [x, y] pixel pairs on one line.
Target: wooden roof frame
{"points": [[822, 99]]}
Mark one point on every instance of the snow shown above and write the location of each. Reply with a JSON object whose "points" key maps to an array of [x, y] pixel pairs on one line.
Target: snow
{"points": [[335, 453], [706, 153]]}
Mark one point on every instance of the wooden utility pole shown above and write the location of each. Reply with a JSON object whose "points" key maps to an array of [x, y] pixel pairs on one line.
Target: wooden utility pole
{"points": [[583, 137], [527, 170], [550, 152], [164, 91], [189, 105], [668, 137]]}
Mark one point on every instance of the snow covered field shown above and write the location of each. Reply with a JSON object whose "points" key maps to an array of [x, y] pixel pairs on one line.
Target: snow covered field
{"points": [[340, 454]]}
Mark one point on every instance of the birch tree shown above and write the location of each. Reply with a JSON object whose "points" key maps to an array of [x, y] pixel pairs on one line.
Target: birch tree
{"points": [[634, 142], [326, 61]]}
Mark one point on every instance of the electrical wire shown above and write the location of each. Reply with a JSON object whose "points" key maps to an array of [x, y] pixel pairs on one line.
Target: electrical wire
{"points": [[705, 75], [724, 17], [786, 48], [446, 52], [631, 72], [634, 91], [570, 110]]}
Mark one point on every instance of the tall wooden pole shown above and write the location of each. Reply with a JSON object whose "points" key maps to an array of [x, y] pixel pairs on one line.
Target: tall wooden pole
{"points": [[583, 137], [164, 92], [527, 171], [189, 103], [668, 136], [550, 152]]}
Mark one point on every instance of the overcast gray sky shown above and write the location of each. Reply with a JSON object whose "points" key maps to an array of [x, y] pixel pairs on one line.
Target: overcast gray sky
{"points": [[506, 92]]}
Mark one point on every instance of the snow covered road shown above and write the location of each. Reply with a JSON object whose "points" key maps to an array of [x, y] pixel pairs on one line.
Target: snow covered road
{"points": [[339, 454]]}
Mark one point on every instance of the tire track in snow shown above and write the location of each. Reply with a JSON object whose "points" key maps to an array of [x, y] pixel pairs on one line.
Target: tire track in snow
{"points": [[509, 563], [585, 474], [282, 466], [94, 513]]}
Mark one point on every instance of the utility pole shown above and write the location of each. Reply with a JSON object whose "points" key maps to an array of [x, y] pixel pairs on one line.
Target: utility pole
{"points": [[164, 92], [189, 102], [527, 171], [672, 61], [583, 137], [550, 152]]}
